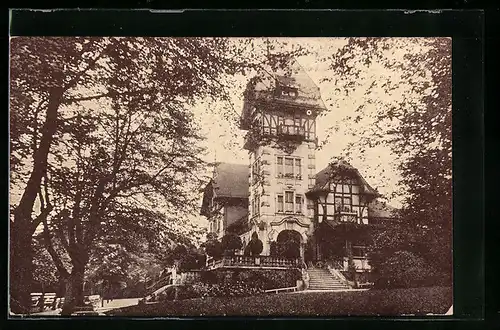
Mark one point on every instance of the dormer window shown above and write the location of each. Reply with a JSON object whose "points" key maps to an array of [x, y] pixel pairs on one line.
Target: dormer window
{"points": [[288, 92]]}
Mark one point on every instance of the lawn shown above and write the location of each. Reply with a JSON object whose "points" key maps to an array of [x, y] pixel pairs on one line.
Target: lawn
{"points": [[419, 301]]}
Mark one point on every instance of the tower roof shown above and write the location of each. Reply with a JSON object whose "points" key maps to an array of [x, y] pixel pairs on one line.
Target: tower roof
{"points": [[291, 75]]}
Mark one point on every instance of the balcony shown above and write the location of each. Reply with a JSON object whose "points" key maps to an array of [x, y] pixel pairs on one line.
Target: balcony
{"points": [[350, 217], [260, 262], [292, 131]]}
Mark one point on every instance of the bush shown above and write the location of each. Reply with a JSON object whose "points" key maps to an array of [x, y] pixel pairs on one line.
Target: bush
{"points": [[231, 242], [213, 248], [406, 270], [244, 282], [255, 246], [228, 289]]}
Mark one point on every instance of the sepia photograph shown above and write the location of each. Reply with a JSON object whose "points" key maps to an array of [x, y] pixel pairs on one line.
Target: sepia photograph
{"points": [[230, 176]]}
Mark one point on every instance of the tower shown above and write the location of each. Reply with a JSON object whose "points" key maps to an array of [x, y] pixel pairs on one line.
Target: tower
{"points": [[279, 114]]}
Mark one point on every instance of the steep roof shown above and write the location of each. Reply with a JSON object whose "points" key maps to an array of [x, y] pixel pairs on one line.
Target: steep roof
{"points": [[291, 75], [231, 180], [323, 177], [263, 86]]}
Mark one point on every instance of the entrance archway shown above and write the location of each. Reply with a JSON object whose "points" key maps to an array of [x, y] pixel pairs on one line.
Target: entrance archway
{"points": [[288, 244]]}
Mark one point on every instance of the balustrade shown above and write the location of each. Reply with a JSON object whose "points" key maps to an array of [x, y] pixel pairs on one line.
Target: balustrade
{"points": [[249, 261]]}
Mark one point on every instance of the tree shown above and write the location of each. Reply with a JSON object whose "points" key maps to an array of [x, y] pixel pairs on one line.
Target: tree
{"points": [[59, 86], [184, 256], [213, 248], [231, 242], [413, 119], [255, 246]]}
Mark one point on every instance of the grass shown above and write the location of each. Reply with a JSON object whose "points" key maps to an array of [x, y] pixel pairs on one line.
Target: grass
{"points": [[419, 301]]}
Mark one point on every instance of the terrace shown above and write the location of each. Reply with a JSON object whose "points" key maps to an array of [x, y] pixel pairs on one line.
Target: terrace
{"points": [[260, 262]]}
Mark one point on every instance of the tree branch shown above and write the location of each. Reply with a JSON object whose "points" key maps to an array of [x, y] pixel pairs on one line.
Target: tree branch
{"points": [[68, 101], [50, 249]]}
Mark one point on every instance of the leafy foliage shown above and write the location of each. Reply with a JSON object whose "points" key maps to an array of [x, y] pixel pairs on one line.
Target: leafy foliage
{"points": [[101, 137], [254, 246], [213, 248], [45, 273], [406, 269], [262, 279], [234, 289], [288, 244], [231, 242], [185, 257], [413, 120]]}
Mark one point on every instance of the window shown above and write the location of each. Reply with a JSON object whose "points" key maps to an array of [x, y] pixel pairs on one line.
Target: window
{"points": [[298, 167], [280, 121], [256, 205], [280, 166], [347, 204], [280, 203], [298, 204], [289, 201], [289, 91], [256, 171], [289, 167]]}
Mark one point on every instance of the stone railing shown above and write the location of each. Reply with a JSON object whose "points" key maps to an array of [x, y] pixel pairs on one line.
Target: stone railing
{"points": [[239, 261], [334, 269]]}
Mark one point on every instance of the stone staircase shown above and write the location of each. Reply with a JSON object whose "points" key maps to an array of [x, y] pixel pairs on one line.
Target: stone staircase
{"points": [[321, 279]]}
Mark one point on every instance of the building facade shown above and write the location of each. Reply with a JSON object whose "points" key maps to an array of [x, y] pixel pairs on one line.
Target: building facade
{"points": [[286, 199]]}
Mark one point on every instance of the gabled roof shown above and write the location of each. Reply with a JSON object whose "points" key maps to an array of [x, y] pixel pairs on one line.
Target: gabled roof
{"points": [[323, 177], [231, 180]]}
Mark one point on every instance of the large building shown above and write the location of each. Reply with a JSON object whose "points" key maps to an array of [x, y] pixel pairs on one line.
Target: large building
{"points": [[280, 195]]}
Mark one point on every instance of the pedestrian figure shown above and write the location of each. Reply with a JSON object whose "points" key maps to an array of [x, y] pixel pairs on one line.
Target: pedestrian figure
{"points": [[41, 303]]}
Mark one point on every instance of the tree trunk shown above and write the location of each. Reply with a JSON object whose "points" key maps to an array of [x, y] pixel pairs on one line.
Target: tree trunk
{"points": [[22, 228], [21, 268], [74, 290]]}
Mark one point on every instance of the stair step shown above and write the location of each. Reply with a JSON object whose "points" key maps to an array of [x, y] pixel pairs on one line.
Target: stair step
{"points": [[322, 279], [340, 286]]}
